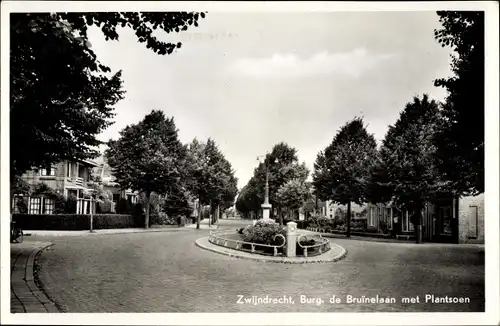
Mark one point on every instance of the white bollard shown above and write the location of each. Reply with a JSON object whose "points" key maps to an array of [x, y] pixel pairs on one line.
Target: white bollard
{"points": [[291, 239]]}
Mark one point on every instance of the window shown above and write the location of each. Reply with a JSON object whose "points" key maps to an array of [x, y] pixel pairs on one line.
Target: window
{"points": [[35, 205], [446, 215], [48, 172], [411, 227], [19, 207], [48, 205], [406, 226]]}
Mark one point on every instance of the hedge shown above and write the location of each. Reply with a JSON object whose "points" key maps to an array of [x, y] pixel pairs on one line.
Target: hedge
{"points": [[77, 222]]}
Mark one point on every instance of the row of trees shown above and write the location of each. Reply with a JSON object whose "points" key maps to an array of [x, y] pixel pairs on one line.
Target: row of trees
{"points": [[149, 158], [403, 170], [434, 149], [288, 188]]}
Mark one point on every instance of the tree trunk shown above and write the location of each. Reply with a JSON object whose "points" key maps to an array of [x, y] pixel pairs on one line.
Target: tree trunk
{"points": [[210, 214], [146, 219], [348, 220], [199, 214]]}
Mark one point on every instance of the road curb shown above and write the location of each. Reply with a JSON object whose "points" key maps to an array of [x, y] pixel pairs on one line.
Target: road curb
{"points": [[205, 244], [42, 233], [40, 293], [24, 286]]}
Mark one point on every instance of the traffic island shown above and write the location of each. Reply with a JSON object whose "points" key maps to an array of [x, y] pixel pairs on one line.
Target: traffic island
{"points": [[335, 253]]}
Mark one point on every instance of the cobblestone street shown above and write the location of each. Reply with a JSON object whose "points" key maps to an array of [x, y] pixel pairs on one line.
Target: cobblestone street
{"points": [[166, 272]]}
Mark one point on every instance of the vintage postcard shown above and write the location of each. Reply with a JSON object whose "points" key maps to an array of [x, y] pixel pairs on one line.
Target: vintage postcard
{"points": [[247, 163]]}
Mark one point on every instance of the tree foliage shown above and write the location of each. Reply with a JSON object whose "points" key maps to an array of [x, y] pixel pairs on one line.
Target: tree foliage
{"points": [[283, 165], [408, 152], [143, 23], [293, 194], [343, 171], [211, 177], [148, 157], [461, 141], [177, 204], [61, 95]]}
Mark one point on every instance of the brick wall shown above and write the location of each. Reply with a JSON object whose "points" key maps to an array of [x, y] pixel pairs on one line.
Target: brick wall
{"points": [[471, 219], [55, 182]]}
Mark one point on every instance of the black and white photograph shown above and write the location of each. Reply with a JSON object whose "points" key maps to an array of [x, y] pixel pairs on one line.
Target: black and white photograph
{"points": [[165, 159]]}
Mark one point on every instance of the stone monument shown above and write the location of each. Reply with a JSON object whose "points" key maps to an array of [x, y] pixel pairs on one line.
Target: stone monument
{"points": [[266, 207]]}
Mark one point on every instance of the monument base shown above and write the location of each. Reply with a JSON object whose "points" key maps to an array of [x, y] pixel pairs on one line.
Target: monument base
{"points": [[266, 209]]}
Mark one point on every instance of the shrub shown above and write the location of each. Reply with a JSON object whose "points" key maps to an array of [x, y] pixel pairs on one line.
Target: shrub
{"points": [[384, 226], [303, 224], [164, 219], [66, 206], [123, 206], [138, 215], [359, 225], [105, 206], [263, 232], [74, 222]]}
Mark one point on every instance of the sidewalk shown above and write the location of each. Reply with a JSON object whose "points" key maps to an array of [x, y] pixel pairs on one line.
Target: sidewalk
{"points": [[25, 296], [392, 240], [154, 228]]}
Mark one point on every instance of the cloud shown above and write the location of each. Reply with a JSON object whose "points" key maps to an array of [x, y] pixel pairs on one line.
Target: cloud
{"points": [[352, 64]]}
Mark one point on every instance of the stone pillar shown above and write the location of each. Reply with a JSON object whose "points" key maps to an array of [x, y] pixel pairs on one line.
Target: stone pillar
{"points": [[291, 239], [266, 209]]}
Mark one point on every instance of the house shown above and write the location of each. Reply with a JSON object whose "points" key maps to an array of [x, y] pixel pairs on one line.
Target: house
{"points": [[109, 183], [69, 177], [451, 220]]}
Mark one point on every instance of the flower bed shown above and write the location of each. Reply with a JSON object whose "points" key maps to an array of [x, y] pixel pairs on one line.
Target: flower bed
{"points": [[266, 238]]}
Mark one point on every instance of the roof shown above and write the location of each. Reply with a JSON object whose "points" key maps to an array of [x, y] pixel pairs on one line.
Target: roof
{"points": [[90, 162]]}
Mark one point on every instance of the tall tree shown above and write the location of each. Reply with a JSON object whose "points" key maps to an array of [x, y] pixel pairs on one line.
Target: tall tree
{"points": [[293, 194], [176, 202], [461, 141], [249, 200], [408, 153], [212, 178], [222, 185], [343, 170], [62, 97], [283, 165], [148, 157]]}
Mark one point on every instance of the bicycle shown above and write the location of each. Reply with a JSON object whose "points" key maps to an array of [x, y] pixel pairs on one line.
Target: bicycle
{"points": [[16, 233]]}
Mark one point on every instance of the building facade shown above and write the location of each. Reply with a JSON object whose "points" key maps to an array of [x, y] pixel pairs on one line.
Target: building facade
{"points": [[66, 177], [449, 220], [69, 177]]}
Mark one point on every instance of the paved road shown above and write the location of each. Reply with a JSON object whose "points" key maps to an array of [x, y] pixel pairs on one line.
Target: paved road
{"points": [[166, 272]]}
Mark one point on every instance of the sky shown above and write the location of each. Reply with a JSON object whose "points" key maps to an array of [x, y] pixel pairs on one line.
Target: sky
{"points": [[252, 80]]}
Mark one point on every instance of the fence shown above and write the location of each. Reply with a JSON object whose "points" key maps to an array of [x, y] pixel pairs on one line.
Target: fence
{"points": [[218, 238], [322, 246]]}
